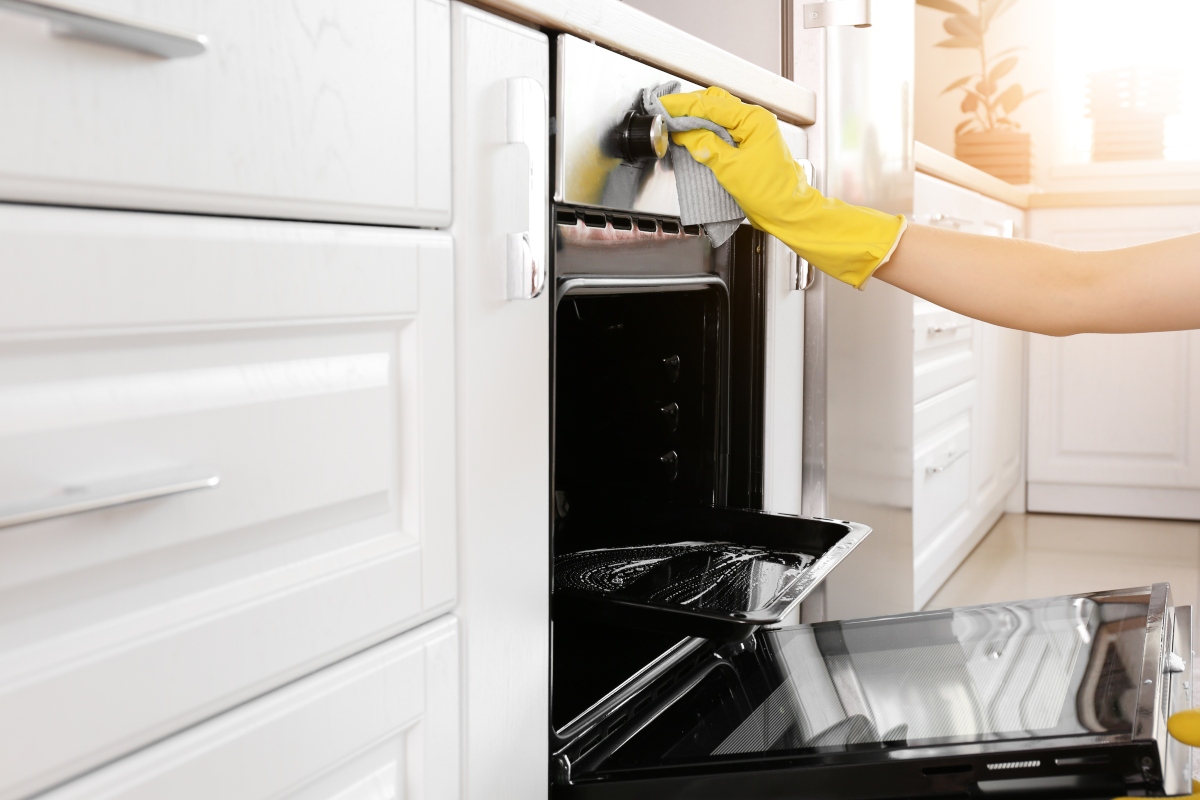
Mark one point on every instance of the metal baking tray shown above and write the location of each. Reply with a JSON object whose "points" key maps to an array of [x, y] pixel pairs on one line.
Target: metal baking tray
{"points": [[717, 573]]}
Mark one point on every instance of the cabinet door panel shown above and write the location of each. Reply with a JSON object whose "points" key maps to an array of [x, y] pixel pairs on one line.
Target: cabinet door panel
{"points": [[312, 109], [383, 724], [1114, 424], [310, 367]]}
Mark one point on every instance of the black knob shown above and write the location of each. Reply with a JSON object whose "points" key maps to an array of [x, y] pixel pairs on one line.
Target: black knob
{"points": [[642, 136]]}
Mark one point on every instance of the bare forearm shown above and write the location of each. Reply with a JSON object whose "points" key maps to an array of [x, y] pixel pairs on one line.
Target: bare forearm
{"points": [[1046, 289]]}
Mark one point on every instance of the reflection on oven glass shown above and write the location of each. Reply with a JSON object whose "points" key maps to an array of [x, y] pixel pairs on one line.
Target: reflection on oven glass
{"points": [[1033, 669], [718, 576]]}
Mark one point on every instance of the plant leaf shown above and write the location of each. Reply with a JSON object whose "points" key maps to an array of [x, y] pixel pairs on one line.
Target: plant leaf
{"points": [[962, 126], [1011, 98], [993, 9], [970, 103], [985, 88], [960, 41], [948, 6], [962, 25], [957, 84], [1002, 69]]}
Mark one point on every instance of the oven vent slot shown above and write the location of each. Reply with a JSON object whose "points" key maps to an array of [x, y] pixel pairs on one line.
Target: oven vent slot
{"points": [[691, 230], [621, 223], [1014, 765], [670, 226], [593, 220], [647, 225], [565, 216], [948, 769]]}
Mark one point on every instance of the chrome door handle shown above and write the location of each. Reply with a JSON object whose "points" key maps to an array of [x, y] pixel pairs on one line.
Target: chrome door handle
{"points": [[934, 330], [951, 457], [109, 493], [950, 219], [528, 127], [80, 23]]}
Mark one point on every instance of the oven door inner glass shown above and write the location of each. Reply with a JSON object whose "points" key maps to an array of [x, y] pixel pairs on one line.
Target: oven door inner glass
{"points": [[1018, 671]]}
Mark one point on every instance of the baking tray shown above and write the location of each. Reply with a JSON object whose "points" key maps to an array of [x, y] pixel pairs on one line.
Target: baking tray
{"points": [[717, 573]]}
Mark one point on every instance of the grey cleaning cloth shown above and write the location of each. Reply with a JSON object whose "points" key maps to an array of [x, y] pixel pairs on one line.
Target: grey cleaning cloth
{"points": [[702, 199]]}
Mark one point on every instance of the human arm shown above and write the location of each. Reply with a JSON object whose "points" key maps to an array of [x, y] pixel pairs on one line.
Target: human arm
{"points": [[1012, 283], [1045, 289]]}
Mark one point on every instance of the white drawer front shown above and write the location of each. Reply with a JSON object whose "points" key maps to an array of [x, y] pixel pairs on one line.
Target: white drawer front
{"points": [[311, 109], [941, 481], [944, 352], [383, 724], [310, 366]]}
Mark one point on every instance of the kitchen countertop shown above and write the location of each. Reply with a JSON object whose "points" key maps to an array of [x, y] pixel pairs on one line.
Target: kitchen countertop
{"points": [[939, 165]]}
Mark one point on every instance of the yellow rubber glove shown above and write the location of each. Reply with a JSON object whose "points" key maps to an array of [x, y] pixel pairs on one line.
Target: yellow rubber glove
{"points": [[848, 242], [1184, 726]]}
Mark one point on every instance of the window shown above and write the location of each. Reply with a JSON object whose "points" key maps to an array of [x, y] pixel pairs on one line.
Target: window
{"points": [[1096, 42]]}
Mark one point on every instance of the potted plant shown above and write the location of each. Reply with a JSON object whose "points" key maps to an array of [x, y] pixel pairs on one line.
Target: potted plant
{"points": [[989, 138]]}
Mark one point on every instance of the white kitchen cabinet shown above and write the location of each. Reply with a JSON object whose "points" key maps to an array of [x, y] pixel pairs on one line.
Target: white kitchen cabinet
{"points": [[1114, 420], [383, 724], [311, 109], [503, 362], [968, 386], [310, 367]]}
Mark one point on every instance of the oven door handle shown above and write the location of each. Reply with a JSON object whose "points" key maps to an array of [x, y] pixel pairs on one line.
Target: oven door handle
{"points": [[528, 128]]}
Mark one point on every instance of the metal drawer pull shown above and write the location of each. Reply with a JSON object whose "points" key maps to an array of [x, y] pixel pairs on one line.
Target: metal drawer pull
{"points": [[80, 23], [956, 222], [951, 457], [936, 329], [106, 494]]}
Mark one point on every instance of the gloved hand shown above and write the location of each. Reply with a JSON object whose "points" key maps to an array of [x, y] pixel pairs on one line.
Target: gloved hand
{"points": [[848, 242], [1184, 726]]}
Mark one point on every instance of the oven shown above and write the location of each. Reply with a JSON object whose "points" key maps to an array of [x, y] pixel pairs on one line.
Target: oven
{"points": [[676, 668]]}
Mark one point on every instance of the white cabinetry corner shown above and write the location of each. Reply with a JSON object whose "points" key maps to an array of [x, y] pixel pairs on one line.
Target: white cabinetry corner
{"points": [[969, 412], [1114, 420], [503, 411], [946, 444]]}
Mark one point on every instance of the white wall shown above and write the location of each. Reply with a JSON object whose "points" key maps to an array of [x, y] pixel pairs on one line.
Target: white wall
{"points": [[1029, 23], [747, 28]]}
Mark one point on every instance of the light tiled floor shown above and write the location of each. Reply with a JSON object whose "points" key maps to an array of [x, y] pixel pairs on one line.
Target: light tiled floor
{"points": [[1041, 555]]}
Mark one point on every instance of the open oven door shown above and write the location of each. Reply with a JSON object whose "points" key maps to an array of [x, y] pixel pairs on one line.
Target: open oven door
{"points": [[1058, 697]]}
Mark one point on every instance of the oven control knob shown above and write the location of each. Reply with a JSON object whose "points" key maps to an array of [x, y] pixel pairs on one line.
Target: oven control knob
{"points": [[642, 136]]}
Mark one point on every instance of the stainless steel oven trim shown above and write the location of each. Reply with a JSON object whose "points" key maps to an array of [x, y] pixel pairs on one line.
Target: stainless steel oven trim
{"points": [[1146, 724], [1177, 756]]}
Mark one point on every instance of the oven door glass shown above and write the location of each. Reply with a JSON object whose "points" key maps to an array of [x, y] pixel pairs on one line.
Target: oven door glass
{"points": [[987, 680]]}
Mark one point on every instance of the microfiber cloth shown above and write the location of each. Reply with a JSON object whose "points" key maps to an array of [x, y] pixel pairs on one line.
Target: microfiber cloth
{"points": [[702, 200]]}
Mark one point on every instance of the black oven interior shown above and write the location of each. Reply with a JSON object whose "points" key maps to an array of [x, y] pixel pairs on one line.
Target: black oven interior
{"points": [[644, 373]]}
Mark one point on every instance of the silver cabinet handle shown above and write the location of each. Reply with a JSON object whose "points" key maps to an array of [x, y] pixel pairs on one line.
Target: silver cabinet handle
{"points": [[948, 219], [528, 126], [105, 494], [81, 23], [934, 330], [951, 457]]}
